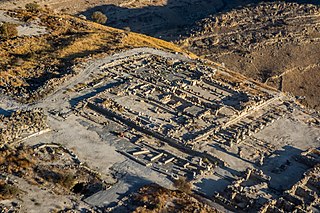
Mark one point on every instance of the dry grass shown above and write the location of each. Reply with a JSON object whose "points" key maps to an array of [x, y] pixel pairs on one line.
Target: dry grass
{"points": [[16, 161], [154, 198]]}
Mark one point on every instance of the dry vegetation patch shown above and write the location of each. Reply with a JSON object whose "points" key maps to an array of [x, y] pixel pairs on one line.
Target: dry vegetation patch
{"points": [[155, 198]]}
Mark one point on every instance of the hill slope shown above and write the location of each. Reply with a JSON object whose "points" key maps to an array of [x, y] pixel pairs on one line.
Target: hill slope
{"points": [[276, 43]]}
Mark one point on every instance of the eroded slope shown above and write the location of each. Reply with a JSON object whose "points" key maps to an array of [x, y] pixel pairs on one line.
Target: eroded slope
{"points": [[276, 43]]}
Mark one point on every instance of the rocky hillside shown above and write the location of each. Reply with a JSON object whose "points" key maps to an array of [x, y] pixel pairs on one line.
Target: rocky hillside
{"points": [[275, 43]]}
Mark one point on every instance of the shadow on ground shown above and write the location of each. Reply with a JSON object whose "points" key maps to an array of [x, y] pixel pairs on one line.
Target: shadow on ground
{"points": [[171, 20], [110, 197], [210, 186], [5, 112], [283, 169]]}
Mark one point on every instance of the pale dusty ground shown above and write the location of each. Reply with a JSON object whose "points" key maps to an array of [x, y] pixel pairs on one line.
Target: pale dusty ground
{"points": [[100, 154], [24, 29], [292, 133], [39, 200]]}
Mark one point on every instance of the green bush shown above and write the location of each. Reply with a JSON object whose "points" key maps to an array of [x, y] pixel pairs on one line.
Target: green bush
{"points": [[99, 17], [8, 30]]}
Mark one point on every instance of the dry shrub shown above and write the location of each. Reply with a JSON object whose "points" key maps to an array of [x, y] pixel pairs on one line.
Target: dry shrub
{"points": [[16, 161], [66, 180], [99, 17], [183, 185], [8, 191], [154, 198], [8, 30]]}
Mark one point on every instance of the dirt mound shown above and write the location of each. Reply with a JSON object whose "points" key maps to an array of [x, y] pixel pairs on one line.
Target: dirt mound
{"points": [[276, 43]]}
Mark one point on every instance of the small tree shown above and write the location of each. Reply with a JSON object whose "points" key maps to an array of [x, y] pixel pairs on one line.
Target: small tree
{"points": [[8, 30], [127, 29], [99, 17], [32, 7], [183, 185], [8, 191]]}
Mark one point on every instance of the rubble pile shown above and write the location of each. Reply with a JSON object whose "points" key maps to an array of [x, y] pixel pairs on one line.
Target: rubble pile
{"points": [[21, 123], [246, 193], [169, 164], [9, 208], [302, 197]]}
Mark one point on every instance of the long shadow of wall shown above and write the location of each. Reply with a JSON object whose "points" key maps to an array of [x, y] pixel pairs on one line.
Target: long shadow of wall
{"points": [[283, 169], [171, 20], [5, 112]]}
